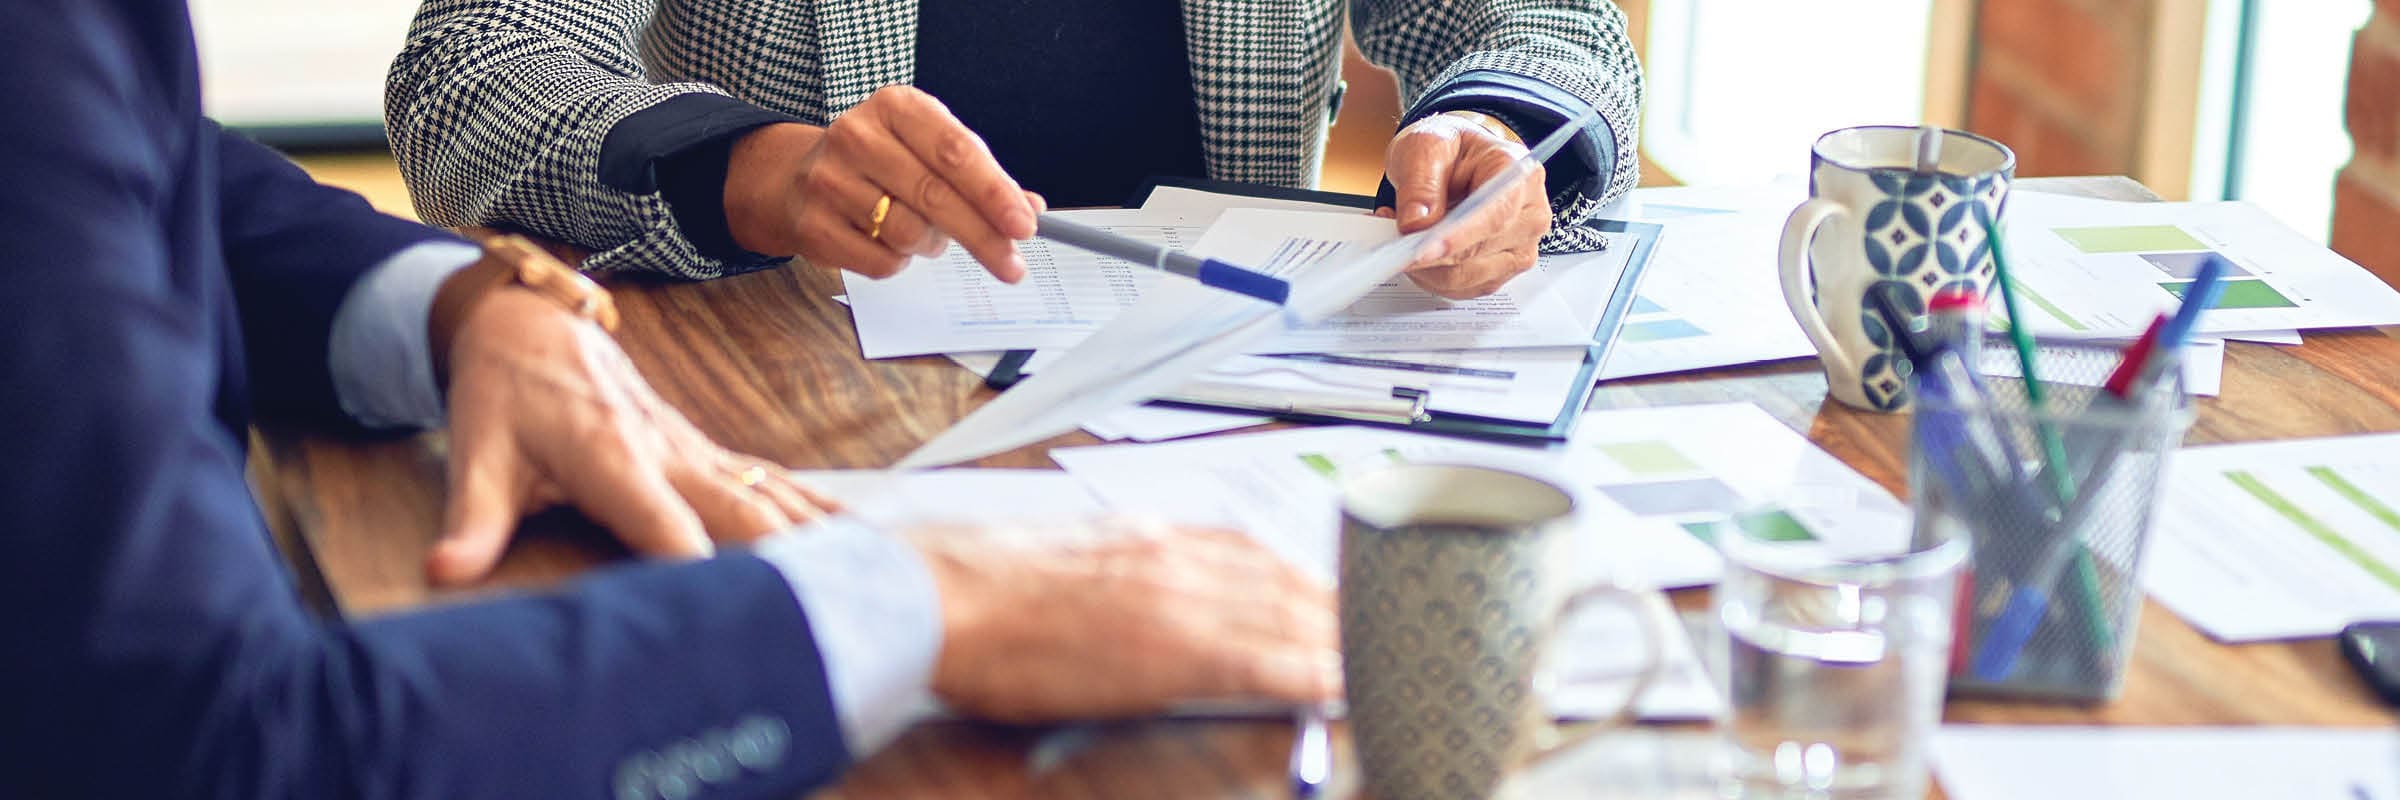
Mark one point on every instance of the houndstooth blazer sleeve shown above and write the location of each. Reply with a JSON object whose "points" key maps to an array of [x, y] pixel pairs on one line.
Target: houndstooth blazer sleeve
{"points": [[497, 110], [1578, 46]]}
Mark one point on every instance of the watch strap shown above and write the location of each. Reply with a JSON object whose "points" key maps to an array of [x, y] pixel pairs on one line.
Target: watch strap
{"points": [[510, 260]]}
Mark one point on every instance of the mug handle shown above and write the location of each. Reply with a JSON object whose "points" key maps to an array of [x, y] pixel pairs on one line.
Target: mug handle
{"points": [[1650, 610], [1799, 275]]}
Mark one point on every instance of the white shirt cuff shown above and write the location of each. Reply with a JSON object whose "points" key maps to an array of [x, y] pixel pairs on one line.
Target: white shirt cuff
{"points": [[381, 360], [877, 618]]}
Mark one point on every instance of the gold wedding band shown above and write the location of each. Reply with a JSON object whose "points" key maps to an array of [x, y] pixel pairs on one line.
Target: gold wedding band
{"points": [[883, 207], [752, 476]]}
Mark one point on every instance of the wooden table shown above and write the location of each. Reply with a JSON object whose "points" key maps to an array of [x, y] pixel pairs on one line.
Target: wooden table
{"points": [[768, 364]]}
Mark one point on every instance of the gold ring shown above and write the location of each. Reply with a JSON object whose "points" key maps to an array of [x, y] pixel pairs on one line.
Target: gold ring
{"points": [[752, 476], [883, 207]]}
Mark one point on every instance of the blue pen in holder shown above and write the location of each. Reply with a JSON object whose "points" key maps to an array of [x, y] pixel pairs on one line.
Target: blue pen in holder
{"points": [[2049, 607]]}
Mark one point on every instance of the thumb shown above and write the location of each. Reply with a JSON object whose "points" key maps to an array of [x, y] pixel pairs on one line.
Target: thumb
{"points": [[481, 514], [1420, 172]]}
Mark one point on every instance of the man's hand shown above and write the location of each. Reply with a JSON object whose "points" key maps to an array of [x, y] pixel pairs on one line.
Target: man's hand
{"points": [[544, 410], [1128, 621], [794, 189], [1433, 164]]}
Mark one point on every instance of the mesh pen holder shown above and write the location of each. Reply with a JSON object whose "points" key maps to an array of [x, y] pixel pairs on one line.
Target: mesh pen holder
{"points": [[2057, 506]]}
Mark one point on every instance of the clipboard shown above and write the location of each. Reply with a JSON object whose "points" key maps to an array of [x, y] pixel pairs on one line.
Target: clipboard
{"points": [[1407, 407]]}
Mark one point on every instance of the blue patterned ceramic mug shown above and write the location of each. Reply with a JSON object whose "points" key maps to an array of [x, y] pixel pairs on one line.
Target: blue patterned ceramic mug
{"points": [[1447, 605], [1872, 219]]}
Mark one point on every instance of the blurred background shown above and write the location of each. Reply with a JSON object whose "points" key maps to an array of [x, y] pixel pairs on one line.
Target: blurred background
{"points": [[2199, 99]]}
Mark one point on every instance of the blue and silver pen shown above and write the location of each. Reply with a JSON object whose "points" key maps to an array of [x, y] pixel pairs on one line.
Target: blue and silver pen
{"points": [[1312, 754], [1208, 271]]}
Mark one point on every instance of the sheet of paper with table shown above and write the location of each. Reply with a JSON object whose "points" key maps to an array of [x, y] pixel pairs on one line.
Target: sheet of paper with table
{"points": [[951, 305]]}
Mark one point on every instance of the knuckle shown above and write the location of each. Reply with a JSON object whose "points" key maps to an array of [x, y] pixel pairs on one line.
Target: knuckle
{"points": [[931, 191], [957, 150]]}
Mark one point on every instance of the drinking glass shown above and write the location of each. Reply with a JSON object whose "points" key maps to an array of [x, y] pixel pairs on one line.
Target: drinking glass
{"points": [[1834, 651]]}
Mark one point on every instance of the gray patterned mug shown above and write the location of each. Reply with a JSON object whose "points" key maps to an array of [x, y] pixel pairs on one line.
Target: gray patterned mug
{"points": [[1447, 604], [1873, 219]]}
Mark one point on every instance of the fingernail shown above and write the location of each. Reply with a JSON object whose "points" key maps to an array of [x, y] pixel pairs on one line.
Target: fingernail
{"points": [[1434, 252], [1416, 211], [1016, 269]]}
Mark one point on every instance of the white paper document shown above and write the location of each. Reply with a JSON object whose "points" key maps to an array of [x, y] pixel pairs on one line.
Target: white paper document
{"points": [[1034, 505], [1526, 384], [1279, 487], [950, 304], [1711, 296], [1661, 478], [1175, 332], [1204, 206], [1998, 762], [1529, 384], [2103, 267], [898, 499], [2280, 540], [1689, 467], [1140, 423]]}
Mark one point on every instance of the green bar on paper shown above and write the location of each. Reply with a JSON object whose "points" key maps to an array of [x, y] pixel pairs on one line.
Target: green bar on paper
{"points": [[2350, 491], [2052, 309], [2323, 533], [2129, 239], [2240, 294], [1649, 457]]}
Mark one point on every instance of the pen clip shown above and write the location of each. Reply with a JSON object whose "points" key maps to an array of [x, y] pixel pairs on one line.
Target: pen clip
{"points": [[1406, 406]]}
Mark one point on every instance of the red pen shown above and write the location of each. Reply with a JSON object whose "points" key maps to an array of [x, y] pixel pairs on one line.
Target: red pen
{"points": [[2120, 382]]}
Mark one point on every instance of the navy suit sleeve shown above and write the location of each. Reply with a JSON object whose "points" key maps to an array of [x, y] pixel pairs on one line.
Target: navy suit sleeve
{"points": [[294, 247], [154, 646]]}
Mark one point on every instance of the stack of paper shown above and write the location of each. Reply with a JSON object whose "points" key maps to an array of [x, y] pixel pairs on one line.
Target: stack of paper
{"points": [[1517, 355]]}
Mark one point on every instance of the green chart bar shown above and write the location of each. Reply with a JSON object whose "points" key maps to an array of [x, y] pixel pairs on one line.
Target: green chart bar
{"points": [[2350, 491], [2323, 533]]}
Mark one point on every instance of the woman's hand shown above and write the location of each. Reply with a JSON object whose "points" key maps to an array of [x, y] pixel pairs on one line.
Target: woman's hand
{"points": [[799, 190], [1436, 162]]}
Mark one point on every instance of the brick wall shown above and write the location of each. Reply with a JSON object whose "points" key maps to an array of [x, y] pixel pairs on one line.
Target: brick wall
{"points": [[2366, 195], [2052, 78], [2089, 87]]}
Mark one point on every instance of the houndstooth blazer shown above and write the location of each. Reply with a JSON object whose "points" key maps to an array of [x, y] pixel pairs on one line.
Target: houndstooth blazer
{"points": [[497, 109]]}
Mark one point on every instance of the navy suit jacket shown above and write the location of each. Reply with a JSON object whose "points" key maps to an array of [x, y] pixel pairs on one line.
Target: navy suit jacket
{"points": [[160, 279]]}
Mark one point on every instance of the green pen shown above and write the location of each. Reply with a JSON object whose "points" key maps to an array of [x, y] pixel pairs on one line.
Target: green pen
{"points": [[2085, 576]]}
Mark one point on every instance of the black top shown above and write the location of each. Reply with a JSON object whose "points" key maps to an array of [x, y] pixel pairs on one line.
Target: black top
{"points": [[1079, 99]]}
